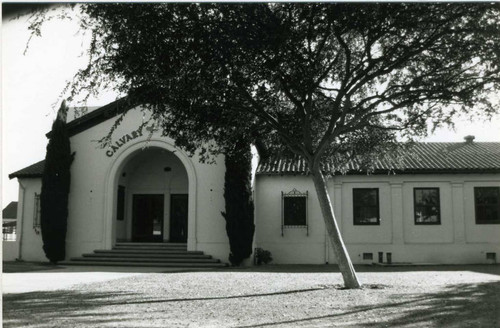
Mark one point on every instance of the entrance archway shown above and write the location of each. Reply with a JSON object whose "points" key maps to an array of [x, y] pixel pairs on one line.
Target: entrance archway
{"points": [[151, 195]]}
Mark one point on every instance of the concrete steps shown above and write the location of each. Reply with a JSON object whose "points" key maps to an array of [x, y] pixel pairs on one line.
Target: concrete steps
{"points": [[171, 255]]}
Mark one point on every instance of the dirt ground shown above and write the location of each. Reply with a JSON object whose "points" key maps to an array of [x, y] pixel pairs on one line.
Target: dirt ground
{"points": [[270, 296]]}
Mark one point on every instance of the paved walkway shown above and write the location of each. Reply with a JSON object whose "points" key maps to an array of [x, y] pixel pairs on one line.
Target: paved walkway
{"points": [[43, 278]]}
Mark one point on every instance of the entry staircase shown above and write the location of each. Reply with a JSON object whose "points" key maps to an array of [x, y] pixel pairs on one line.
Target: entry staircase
{"points": [[131, 254]]}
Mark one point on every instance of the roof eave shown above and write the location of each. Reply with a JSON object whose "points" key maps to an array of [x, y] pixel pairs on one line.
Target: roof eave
{"points": [[98, 116], [398, 171], [24, 176]]}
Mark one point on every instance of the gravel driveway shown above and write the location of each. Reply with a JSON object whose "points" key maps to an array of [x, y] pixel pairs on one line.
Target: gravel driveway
{"points": [[271, 296]]}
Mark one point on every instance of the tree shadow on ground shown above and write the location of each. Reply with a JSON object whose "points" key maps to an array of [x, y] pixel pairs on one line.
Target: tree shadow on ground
{"points": [[462, 305], [38, 309], [86, 308]]}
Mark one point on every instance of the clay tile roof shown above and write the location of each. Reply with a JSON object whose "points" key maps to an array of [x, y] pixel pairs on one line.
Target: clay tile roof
{"points": [[32, 171], [10, 211], [432, 157]]}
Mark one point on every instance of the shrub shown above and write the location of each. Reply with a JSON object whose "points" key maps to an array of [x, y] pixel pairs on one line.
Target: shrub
{"points": [[262, 256]]}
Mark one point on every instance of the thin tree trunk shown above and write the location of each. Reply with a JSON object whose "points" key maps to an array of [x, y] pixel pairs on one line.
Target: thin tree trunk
{"points": [[344, 262]]}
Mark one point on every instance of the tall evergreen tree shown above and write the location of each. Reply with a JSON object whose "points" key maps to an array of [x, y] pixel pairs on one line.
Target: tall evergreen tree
{"points": [[239, 204], [55, 189]]}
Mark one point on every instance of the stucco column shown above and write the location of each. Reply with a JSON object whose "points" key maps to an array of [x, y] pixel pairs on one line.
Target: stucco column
{"points": [[192, 239], [457, 196], [397, 213]]}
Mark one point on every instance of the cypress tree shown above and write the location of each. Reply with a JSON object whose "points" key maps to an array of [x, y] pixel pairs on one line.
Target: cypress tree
{"points": [[55, 189], [239, 213]]}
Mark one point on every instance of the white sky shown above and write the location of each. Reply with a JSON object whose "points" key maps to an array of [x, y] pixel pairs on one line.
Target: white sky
{"points": [[31, 84]]}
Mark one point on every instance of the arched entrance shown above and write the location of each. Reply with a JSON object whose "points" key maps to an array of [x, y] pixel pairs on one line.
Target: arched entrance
{"points": [[152, 198], [153, 195]]}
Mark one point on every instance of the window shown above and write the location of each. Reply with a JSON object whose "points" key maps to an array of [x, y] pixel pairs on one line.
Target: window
{"points": [[9, 231], [426, 206], [36, 214], [365, 206], [294, 210], [487, 201], [367, 256]]}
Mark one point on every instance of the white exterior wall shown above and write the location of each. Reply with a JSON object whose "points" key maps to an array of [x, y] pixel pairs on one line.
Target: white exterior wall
{"points": [[92, 220], [10, 250], [458, 239], [297, 245], [92, 200], [29, 240]]}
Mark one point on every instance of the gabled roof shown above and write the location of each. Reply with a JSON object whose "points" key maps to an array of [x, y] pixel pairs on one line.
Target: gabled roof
{"points": [[432, 157], [76, 126], [10, 211], [98, 116], [32, 171]]}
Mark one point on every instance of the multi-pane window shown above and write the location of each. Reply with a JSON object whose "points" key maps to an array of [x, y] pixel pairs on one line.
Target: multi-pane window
{"points": [[365, 206], [487, 203], [36, 214], [426, 206], [294, 209]]}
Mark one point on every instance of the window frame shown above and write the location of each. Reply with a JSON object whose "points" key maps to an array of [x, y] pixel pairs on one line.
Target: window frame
{"points": [[415, 206], [36, 213], [497, 205], [294, 194], [354, 206]]}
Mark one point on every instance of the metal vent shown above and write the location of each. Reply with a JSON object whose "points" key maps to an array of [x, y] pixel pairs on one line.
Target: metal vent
{"points": [[491, 256]]}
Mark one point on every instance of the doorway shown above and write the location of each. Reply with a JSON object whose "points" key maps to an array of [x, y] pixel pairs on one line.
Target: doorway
{"points": [[178, 218], [147, 217]]}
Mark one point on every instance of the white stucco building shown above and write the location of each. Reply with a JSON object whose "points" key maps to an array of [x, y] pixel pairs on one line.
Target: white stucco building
{"points": [[442, 206]]}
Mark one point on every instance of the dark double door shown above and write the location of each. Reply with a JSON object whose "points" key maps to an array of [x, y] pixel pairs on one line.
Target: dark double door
{"points": [[148, 214], [178, 218]]}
